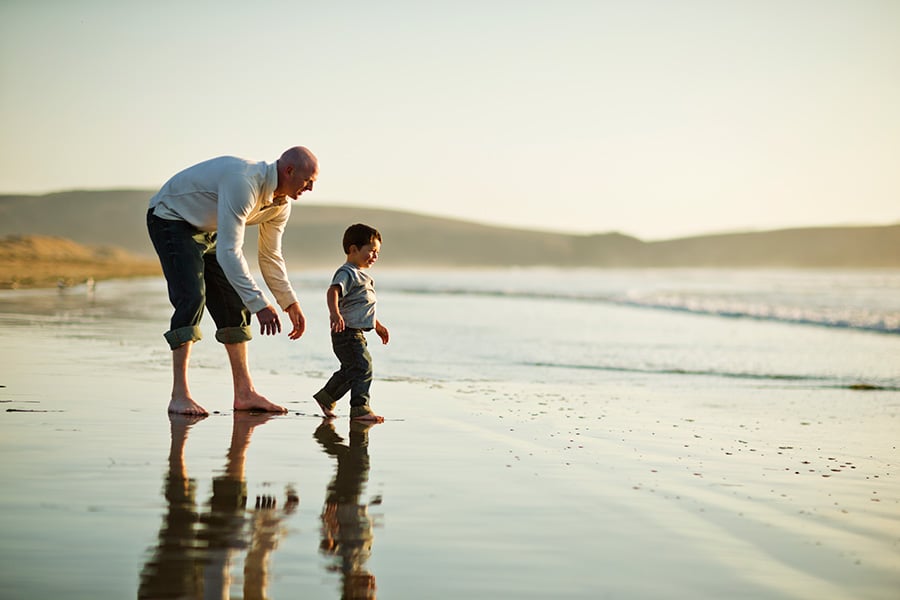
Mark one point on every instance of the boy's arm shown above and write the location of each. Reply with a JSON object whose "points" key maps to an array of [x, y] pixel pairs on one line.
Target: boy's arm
{"points": [[332, 296], [382, 332]]}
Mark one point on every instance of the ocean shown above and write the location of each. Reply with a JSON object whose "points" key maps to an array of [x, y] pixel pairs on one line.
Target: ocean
{"points": [[805, 328], [800, 328], [782, 328]]}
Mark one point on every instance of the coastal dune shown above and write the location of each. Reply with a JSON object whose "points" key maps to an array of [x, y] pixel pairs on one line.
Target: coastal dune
{"points": [[44, 261]]}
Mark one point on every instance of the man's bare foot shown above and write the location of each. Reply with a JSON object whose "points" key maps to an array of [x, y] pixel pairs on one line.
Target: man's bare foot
{"points": [[254, 401], [186, 406]]}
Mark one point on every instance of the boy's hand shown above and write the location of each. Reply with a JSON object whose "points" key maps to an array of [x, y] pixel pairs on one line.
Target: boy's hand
{"points": [[382, 332], [337, 322]]}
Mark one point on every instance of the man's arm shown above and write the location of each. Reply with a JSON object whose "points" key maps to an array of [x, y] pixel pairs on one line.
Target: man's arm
{"points": [[274, 271], [271, 258], [237, 197], [236, 200]]}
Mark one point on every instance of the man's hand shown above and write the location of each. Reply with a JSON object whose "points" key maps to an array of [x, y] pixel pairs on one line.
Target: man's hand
{"points": [[297, 320], [269, 323]]}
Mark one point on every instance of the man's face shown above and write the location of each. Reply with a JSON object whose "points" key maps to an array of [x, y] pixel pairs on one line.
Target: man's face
{"points": [[299, 181]]}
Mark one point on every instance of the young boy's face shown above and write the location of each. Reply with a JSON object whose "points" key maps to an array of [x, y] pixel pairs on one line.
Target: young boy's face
{"points": [[365, 256]]}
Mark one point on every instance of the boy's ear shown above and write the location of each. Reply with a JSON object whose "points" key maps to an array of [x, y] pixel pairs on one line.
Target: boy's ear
{"points": [[353, 248]]}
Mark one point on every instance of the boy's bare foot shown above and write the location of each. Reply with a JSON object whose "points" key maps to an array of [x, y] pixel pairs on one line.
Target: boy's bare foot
{"points": [[186, 406], [254, 401], [364, 414], [326, 410], [325, 403], [368, 418]]}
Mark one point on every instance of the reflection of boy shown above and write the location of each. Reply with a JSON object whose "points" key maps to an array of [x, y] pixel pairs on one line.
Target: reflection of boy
{"points": [[351, 305], [347, 526]]}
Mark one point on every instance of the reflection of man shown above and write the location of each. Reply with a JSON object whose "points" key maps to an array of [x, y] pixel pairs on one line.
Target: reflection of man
{"points": [[172, 572], [347, 528], [192, 557], [197, 223]]}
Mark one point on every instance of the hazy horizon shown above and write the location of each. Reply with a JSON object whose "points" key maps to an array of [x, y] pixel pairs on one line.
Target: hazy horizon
{"points": [[659, 120], [304, 201]]}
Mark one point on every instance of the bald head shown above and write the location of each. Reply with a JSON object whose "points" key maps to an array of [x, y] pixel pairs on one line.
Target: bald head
{"points": [[300, 158], [297, 171]]}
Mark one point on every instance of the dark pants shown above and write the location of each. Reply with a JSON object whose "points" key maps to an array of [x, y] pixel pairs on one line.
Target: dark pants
{"points": [[355, 374], [196, 281]]}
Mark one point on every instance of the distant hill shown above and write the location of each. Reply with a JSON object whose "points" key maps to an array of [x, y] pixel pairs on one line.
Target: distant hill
{"points": [[117, 218]]}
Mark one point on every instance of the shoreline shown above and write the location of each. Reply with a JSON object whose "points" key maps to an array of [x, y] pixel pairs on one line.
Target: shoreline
{"points": [[59, 274]]}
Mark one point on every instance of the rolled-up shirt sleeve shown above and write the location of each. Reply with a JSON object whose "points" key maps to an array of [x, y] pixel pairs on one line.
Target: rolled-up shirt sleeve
{"points": [[271, 260], [236, 201]]}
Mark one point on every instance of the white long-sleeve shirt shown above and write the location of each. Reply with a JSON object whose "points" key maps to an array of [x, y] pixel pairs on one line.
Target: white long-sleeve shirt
{"points": [[225, 195]]}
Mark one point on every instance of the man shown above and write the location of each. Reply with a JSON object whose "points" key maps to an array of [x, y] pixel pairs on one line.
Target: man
{"points": [[197, 223]]}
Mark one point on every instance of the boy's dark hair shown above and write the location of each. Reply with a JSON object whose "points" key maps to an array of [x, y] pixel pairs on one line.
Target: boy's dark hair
{"points": [[359, 235]]}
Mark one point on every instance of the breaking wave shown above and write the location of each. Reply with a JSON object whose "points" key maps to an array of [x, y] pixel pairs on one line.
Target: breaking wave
{"points": [[833, 316]]}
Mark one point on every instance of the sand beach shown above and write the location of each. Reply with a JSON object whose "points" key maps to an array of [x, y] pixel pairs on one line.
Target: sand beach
{"points": [[635, 486]]}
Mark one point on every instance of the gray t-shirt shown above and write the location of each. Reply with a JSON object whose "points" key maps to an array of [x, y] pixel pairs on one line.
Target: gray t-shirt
{"points": [[357, 302]]}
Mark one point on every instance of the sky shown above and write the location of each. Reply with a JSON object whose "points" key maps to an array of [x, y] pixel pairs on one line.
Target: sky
{"points": [[654, 118]]}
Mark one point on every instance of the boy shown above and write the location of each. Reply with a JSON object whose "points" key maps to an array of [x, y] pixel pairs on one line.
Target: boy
{"points": [[351, 305]]}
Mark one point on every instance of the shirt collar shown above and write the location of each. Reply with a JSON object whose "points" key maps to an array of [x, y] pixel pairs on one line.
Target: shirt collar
{"points": [[269, 186]]}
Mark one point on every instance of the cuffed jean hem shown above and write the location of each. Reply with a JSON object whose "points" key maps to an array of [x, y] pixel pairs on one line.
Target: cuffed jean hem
{"points": [[234, 335], [360, 411], [183, 335], [324, 399]]}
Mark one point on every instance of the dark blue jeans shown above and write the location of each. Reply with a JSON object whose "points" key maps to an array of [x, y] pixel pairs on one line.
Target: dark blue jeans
{"points": [[355, 374], [196, 281]]}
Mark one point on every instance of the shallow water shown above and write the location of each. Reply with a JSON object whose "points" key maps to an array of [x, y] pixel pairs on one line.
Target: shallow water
{"points": [[537, 446], [551, 325]]}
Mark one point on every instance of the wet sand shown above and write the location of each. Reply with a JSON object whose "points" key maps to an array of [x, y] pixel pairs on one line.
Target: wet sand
{"points": [[469, 490]]}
